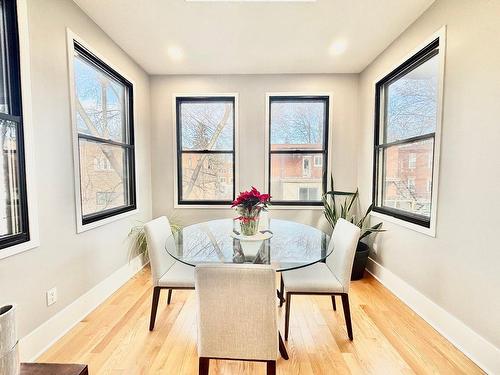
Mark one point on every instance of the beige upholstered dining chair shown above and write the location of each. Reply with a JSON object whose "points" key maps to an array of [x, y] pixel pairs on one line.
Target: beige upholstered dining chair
{"points": [[331, 278], [237, 317], [166, 272]]}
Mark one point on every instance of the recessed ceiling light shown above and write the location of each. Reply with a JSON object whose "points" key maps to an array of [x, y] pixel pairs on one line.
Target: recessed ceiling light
{"points": [[175, 53], [338, 47]]}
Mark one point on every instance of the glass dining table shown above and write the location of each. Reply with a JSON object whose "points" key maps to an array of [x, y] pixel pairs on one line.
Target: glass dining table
{"points": [[285, 245]]}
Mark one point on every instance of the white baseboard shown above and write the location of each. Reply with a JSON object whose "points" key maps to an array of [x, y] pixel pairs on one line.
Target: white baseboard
{"points": [[41, 338], [474, 346]]}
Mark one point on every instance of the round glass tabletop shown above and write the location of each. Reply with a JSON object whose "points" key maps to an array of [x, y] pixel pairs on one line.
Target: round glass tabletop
{"points": [[291, 246]]}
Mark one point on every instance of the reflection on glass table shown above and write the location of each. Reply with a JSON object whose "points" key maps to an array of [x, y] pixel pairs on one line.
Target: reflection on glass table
{"points": [[291, 246]]}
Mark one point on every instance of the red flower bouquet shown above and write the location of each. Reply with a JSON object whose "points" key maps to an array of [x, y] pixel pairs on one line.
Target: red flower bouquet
{"points": [[249, 204]]}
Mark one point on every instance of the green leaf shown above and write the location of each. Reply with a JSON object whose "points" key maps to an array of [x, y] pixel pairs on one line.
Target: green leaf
{"points": [[332, 186], [374, 229], [352, 200], [334, 210], [361, 222], [328, 212]]}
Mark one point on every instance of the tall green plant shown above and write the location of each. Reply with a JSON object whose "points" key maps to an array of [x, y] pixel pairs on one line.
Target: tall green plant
{"points": [[334, 210]]}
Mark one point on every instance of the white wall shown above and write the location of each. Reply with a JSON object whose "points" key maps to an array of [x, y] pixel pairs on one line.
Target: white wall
{"points": [[252, 119], [73, 263], [458, 270]]}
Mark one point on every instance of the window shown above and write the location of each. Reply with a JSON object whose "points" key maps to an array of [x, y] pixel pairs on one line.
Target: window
{"points": [[298, 137], [102, 164], [406, 119], [105, 198], [104, 123], [307, 193], [411, 184], [306, 167], [205, 150], [14, 227], [412, 160]]}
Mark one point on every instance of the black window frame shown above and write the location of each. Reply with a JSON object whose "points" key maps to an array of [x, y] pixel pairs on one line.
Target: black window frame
{"points": [[424, 55], [15, 115], [129, 146], [178, 120], [324, 151]]}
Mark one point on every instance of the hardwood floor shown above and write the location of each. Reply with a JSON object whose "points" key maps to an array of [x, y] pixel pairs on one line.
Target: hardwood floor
{"points": [[389, 338]]}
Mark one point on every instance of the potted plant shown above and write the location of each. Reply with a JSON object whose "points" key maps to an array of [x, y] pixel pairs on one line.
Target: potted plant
{"points": [[334, 210], [249, 204]]}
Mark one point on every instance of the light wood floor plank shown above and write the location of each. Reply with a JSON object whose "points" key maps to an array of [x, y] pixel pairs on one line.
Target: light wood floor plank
{"points": [[389, 338]]}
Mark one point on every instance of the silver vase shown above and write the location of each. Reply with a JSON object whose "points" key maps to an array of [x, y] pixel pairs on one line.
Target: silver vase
{"points": [[9, 350]]}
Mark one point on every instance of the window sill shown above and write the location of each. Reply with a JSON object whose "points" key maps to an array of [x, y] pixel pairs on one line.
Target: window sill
{"points": [[202, 206], [80, 228], [19, 248], [284, 207], [271, 208], [431, 232]]}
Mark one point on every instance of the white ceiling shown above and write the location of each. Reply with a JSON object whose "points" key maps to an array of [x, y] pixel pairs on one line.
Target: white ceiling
{"points": [[245, 37]]}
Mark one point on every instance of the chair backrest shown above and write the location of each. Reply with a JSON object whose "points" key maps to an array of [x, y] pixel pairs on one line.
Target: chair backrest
{"points": [[344, 241], [157, 233], [237, 311]]}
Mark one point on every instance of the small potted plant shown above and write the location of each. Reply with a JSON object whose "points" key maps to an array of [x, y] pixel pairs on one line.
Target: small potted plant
{"points": [[334, 210], [249, 204]]}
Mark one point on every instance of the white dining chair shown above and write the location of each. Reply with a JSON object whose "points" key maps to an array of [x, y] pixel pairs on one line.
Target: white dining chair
{"points": [[237, 317], [166, 272], [331, 278]]}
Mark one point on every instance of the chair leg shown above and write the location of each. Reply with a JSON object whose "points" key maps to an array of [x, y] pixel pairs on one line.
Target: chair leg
{"points": [[347, 315], [287, 314], [282, 347], [203, 366], [282, 290], [271, 367], [154, 307], [334, 304], [169, 298]]}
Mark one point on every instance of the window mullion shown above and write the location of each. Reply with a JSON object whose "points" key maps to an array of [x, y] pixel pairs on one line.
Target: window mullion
{"points": [[207, 151], [92, 138], [407, 140], [317, 151], [9, 117]]}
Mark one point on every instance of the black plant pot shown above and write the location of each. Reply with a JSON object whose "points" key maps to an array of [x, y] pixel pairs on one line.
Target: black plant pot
{"points": [[360, 260]]}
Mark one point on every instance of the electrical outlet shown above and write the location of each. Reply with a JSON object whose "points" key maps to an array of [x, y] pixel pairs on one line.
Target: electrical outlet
{"points": [[51, 296], [375, 247]]}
